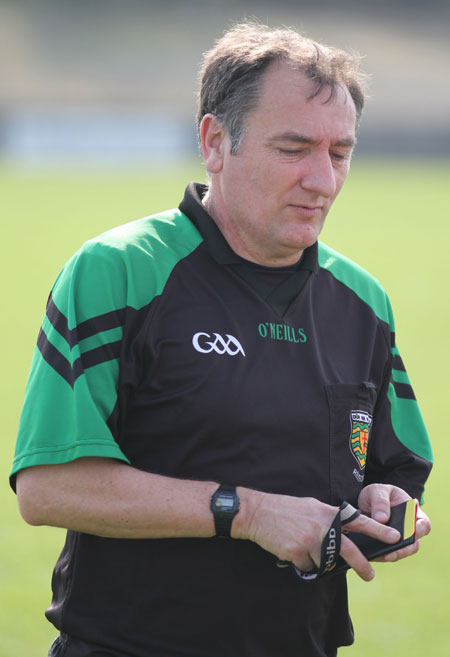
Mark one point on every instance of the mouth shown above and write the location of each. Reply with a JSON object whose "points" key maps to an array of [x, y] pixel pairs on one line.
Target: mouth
{"points": [[307, 211]]}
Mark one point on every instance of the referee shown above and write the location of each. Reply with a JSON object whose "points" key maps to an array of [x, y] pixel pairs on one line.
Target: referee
{"points": [[215, 393]]}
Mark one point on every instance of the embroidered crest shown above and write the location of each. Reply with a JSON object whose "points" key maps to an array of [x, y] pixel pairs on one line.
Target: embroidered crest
{"points": [[360, 428]]}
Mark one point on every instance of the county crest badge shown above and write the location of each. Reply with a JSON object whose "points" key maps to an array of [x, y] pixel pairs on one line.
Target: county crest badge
{"points": [[359, 437]]}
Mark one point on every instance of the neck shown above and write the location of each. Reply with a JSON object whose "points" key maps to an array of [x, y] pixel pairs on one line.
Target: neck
{"points": [[238, 243]]}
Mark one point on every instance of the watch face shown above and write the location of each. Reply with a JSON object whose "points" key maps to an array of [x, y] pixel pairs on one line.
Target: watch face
{"points": [[225, 503]]}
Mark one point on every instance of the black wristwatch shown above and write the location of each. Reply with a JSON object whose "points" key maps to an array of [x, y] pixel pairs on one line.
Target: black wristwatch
{"points": [[224, 505]]}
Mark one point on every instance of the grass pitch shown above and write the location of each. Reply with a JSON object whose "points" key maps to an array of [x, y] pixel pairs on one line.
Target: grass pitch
{"points": [[392, 218]]}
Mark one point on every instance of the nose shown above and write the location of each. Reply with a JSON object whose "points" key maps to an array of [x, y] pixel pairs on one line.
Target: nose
{"points": [[319, 176]]}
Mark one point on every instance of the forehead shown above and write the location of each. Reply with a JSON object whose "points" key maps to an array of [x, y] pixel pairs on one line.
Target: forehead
{"points": [[286, 103]]}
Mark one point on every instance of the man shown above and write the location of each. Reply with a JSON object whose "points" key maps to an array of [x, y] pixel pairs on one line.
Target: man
{"points": [[221, 344]]}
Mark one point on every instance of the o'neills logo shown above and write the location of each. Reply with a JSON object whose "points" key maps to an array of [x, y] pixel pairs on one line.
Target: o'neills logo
{"points": [[281, 332], [205, 344], [330, 551], [360, 422]]}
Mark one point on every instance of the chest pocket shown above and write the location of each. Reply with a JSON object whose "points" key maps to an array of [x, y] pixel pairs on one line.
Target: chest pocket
{"points": [[351, 423]]}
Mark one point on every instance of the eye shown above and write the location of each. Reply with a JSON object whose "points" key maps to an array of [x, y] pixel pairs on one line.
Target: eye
{"points": [[340, 157], [290, 151]]}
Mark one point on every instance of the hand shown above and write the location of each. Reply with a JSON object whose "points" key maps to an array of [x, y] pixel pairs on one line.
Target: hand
{"points": [[293, 528], [377, 499]]}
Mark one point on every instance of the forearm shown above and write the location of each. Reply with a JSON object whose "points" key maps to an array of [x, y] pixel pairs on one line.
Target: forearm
{"points": [[109, 498]]}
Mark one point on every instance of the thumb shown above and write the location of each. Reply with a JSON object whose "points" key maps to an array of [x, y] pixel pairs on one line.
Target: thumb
{"points": [[379, 502], [382, 514]]}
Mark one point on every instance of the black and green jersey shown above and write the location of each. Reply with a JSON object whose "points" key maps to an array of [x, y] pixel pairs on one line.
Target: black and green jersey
{"points": [[164, 349]]}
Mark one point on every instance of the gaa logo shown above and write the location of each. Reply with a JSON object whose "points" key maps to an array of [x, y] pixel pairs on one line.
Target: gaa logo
{"points": [[205, 344]]}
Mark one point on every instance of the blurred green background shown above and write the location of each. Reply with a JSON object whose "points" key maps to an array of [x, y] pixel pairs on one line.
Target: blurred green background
{"points": [[76, 78]]}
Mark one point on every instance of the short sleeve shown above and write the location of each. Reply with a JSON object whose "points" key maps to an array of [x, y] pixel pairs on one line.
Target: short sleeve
{"points": [[73, 381]]}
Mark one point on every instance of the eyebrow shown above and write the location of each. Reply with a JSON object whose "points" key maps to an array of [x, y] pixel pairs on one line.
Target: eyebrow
{"points": [[347, 142]]}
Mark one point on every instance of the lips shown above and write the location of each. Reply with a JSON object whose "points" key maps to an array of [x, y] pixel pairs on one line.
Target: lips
{"points": [[307, 210]]}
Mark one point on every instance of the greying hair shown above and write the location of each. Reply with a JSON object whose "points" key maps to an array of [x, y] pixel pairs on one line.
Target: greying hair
{"points": [[232, 72]]}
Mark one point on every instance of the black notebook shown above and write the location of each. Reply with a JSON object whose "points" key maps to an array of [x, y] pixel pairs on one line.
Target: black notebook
{"points": [[403, 518]]}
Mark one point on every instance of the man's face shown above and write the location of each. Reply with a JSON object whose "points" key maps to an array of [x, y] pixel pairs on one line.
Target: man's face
{"points": [[271, 198]]}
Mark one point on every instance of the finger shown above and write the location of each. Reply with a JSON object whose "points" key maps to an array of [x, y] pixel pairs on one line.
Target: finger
{"points": [[376, 500], [348, 513], [371, 527], [423, 527], [381, 504], [401, 554], [306, 566], [330, 546], [356, 559], [423, 524]]}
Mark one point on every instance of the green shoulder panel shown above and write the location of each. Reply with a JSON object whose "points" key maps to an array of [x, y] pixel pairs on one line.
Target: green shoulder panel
{"points": [[406, 418], [72, 386], [365, 286], [147, 249]]}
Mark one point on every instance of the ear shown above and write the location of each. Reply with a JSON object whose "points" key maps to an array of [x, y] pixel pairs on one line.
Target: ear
{"points": [[212, 137]]}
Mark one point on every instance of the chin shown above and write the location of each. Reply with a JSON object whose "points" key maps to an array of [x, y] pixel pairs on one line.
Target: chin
{"points": [[309, 236], [304, 241]]}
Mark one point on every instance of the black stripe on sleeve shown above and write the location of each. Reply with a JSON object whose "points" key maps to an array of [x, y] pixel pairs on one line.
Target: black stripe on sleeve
{"points": [[101, 323], [397, 364], [62, 366], [100, 355], [55, 359], [86, 329], [403, 390], [59, 321]]}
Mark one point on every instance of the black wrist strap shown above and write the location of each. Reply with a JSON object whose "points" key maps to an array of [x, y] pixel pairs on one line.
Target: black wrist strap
{"points": [[331, 544]]}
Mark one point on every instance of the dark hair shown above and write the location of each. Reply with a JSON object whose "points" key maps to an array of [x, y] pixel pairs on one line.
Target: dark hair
{"points": [[231, 74]]}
